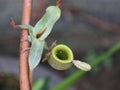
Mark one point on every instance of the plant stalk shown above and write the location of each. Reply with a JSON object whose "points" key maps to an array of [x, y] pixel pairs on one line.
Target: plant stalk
{"points": [[23, 62]]}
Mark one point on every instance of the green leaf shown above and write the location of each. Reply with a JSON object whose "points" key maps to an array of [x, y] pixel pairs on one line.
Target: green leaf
{"points": [[47, 21], [38, 34], [30, 28], [35, 53], [41, 84], [26, 27]]}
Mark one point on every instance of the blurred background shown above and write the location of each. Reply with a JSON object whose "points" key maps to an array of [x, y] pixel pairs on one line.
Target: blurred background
{"points": [[89, 27]]}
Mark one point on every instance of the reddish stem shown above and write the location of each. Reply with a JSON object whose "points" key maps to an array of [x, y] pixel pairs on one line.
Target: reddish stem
{"points": [[23, 67], [58, 3], [14, 26]]}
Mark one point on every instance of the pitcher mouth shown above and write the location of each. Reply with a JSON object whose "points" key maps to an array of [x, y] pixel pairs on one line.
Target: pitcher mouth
{"points": [[62, 53]]}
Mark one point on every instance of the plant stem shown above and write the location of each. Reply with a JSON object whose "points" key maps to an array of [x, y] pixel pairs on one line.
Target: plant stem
{"points": [[58, 3], [77, 75], [23, 63]]}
